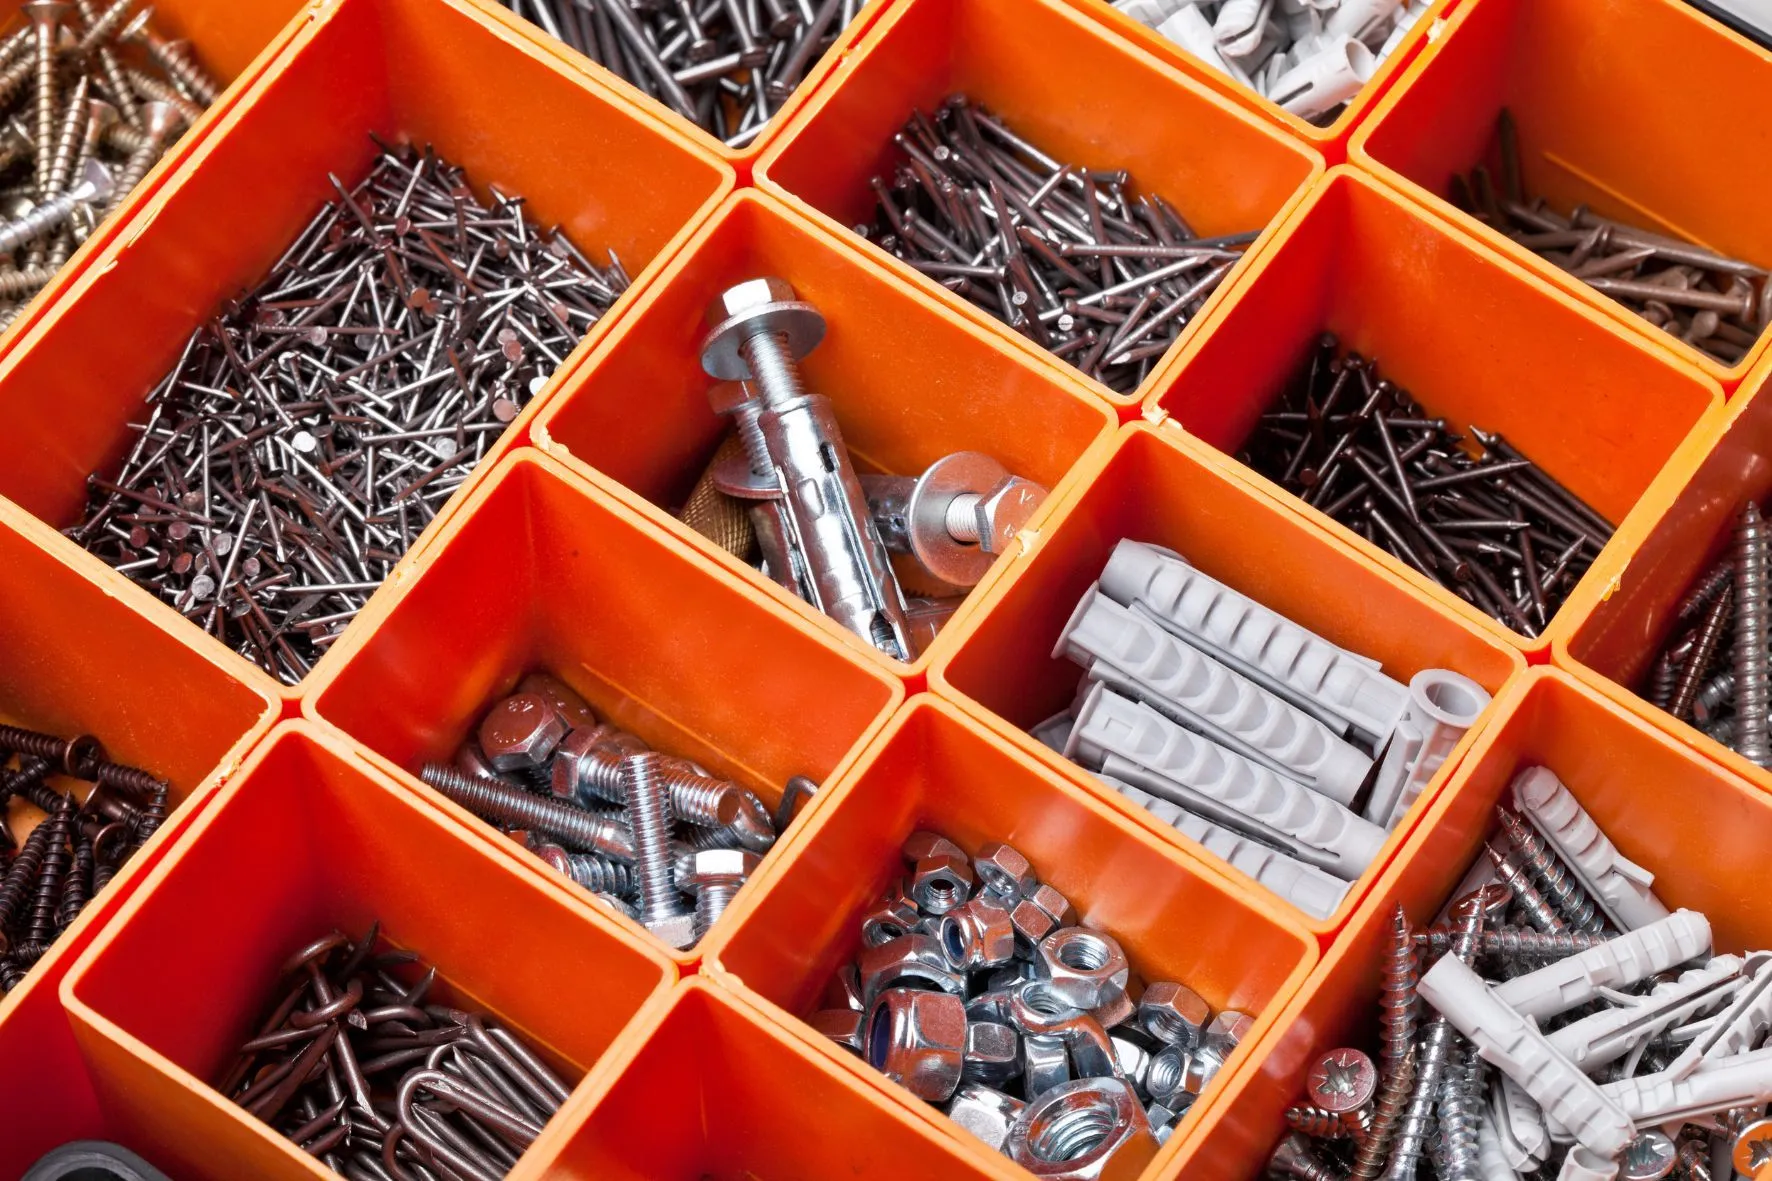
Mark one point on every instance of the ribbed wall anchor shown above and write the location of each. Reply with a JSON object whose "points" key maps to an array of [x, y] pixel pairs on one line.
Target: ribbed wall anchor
{"points": [[1751, 657]]}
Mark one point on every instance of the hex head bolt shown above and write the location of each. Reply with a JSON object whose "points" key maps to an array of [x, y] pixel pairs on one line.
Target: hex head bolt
{"points": [[956, 518], [501, 803], [716, 878], [759, 331], [1750, 654], [649, 816], [591, 770]]}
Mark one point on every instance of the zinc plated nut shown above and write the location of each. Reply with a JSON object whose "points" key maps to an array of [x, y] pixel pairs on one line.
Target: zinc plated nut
{"points": [[1083, 968], [918, 1040], [978, 934], [1087, 1130]]}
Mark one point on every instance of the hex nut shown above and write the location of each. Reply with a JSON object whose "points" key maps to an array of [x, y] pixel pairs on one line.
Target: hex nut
{"points": [[520, 732], [842, 1026], [918, 1040], [1089, 1130], [978, 935], [1200, 1068], [909, 959], [1173, 1013], [1005, 872], [1003, 511], [749, 295], [941, 882], [1164, 1075], [986, 1113], [923, 843], [993, 1052], [1045, 1063], [1133, 1060], [844, 990], [1116, 1011], [892, 916], [1227, 1031], [1039, 914], [1083, 968]]}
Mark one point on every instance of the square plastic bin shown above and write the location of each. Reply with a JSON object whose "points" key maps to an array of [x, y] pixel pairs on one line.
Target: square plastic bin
{"points": [[1118, 107], [1328, 138], [716, 1090], [910, 383], [1589, 84], [544, 571], [1700, 830], [432, 71], [308, 839], [934, 769], [1157, 486], [1475, 339]]}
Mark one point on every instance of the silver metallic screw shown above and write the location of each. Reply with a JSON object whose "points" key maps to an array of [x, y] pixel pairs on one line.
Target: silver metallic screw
{"points": [[46, 18], [160, 123], [1567, 896], [497, 801], [1342, 1083], [94, 186], [1398, 1002], [1538, 911], [1751, 659], [1458, 1122], [1293, 1158], [69, 138], [649, 816]]}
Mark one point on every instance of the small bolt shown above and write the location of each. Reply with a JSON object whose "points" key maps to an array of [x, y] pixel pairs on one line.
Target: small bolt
{"points": [[649, 816]]}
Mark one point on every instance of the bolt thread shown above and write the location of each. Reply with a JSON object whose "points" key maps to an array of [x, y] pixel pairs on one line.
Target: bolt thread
{"points": [[515, 808], [748, 418], [1397, 999], [1458, 1123], [1568, 896], [1514, 942], [774, 371], [50, 874], [78, 889], [1750, 655], [1315, 1122], [695, 798], [1387, 1112], [1532, 904], [600, 875], [1703, 652], [702, 839], [962, 517], [711, 902], [649, 815]]}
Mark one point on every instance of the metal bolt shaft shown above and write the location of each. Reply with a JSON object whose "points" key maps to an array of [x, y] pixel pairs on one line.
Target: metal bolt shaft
{"points": [[649, 815], [711, 901], [1751, 658], [503, 804]]}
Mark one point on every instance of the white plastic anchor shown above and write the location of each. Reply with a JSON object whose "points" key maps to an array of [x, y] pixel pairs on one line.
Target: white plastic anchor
{"points": [[1055, 732], [1519, 1122], [1366, 21], [1151, 12], [1613, 1033], [1239, 26], [1326, 79], [1737, 1028], [1189, 28], [1442, 708], [1719, 1084], [1621, 887], [1492, 1157], [1633, 956]]}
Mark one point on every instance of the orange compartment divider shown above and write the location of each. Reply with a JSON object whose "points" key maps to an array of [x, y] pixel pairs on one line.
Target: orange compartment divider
{"points": [[933, 768], [1117, 107], [1474, 338], [1330, 138], [433, 71], [910, 382], [1700, 830], [1602, 92], [307, 839], [1158, 486], [716, 1089], [542, 570], [1626, 618]]}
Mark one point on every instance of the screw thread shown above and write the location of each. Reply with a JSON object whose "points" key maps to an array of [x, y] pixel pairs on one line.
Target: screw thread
{"points": [[695, 798], [1708, 588], [74, 756], [103, 26], [134, 780], [46, 25], [1703, 650], [1397, 997], [134, 169], [27, 777], [1716, 693], [51, 874], [1568, 896], [748, 418], [1458, 1122], [1533, 905], [19, 875], [515, 808], [117, 85], [600, 875], [1315, 1122], [1436, 1047], [24, 281], [1693, 1162], [157, 91], [152, 816], [1750, 638], [1663, 680], [649, 815], [170, 56], [78, 890], [1514, 942], [774, 371], [711, 902], [12, 974], [1387, 1112], [67, 140]]}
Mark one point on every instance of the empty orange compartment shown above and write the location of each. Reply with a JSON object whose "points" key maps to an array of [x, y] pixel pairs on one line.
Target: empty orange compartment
{"points": [[1603, 92], [1626, 617], [909, 382], [1157, 486], [717, 1090], [935, 769], [432, 71], [1329, 138], [543, 571], [1067, 85], [308, 839], [1476, 340], [1701, 831]]}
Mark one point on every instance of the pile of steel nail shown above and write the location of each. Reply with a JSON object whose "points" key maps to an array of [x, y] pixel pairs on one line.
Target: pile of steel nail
{"points": [[725, 65], [1715, 671], [1493, 528], [1283, 754], [76, 845], [1068, 256], [977, 990], [355, 1068], [310, 431], [645, 832], [1716, 304], [1620, 1045], [89, 100]]}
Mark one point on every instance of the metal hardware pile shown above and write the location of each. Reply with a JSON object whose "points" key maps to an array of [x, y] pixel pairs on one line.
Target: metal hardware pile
{"points": [[1284, 755], [653, 837], [834, 548], [1492, 527], [1066, 255], [1715, 672], [76, 844], [726, 66], [977, 991], [1573, 1027], [1716, 304], [353, 1066], [90, 98], [1309, 57], [314, 427]]}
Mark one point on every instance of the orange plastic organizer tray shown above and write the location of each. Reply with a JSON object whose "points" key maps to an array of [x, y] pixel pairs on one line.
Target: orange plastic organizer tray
{"points": [[298, 808]]}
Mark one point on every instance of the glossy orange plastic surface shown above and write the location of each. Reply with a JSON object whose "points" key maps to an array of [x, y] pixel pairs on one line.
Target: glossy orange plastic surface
{"points": [[544, 571], [1157, 486], [1604, 93], [716, 1090], [1474, 339], [162, 999], [935, 769], [1063, 82], [1700, 830], [909, 382]]}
